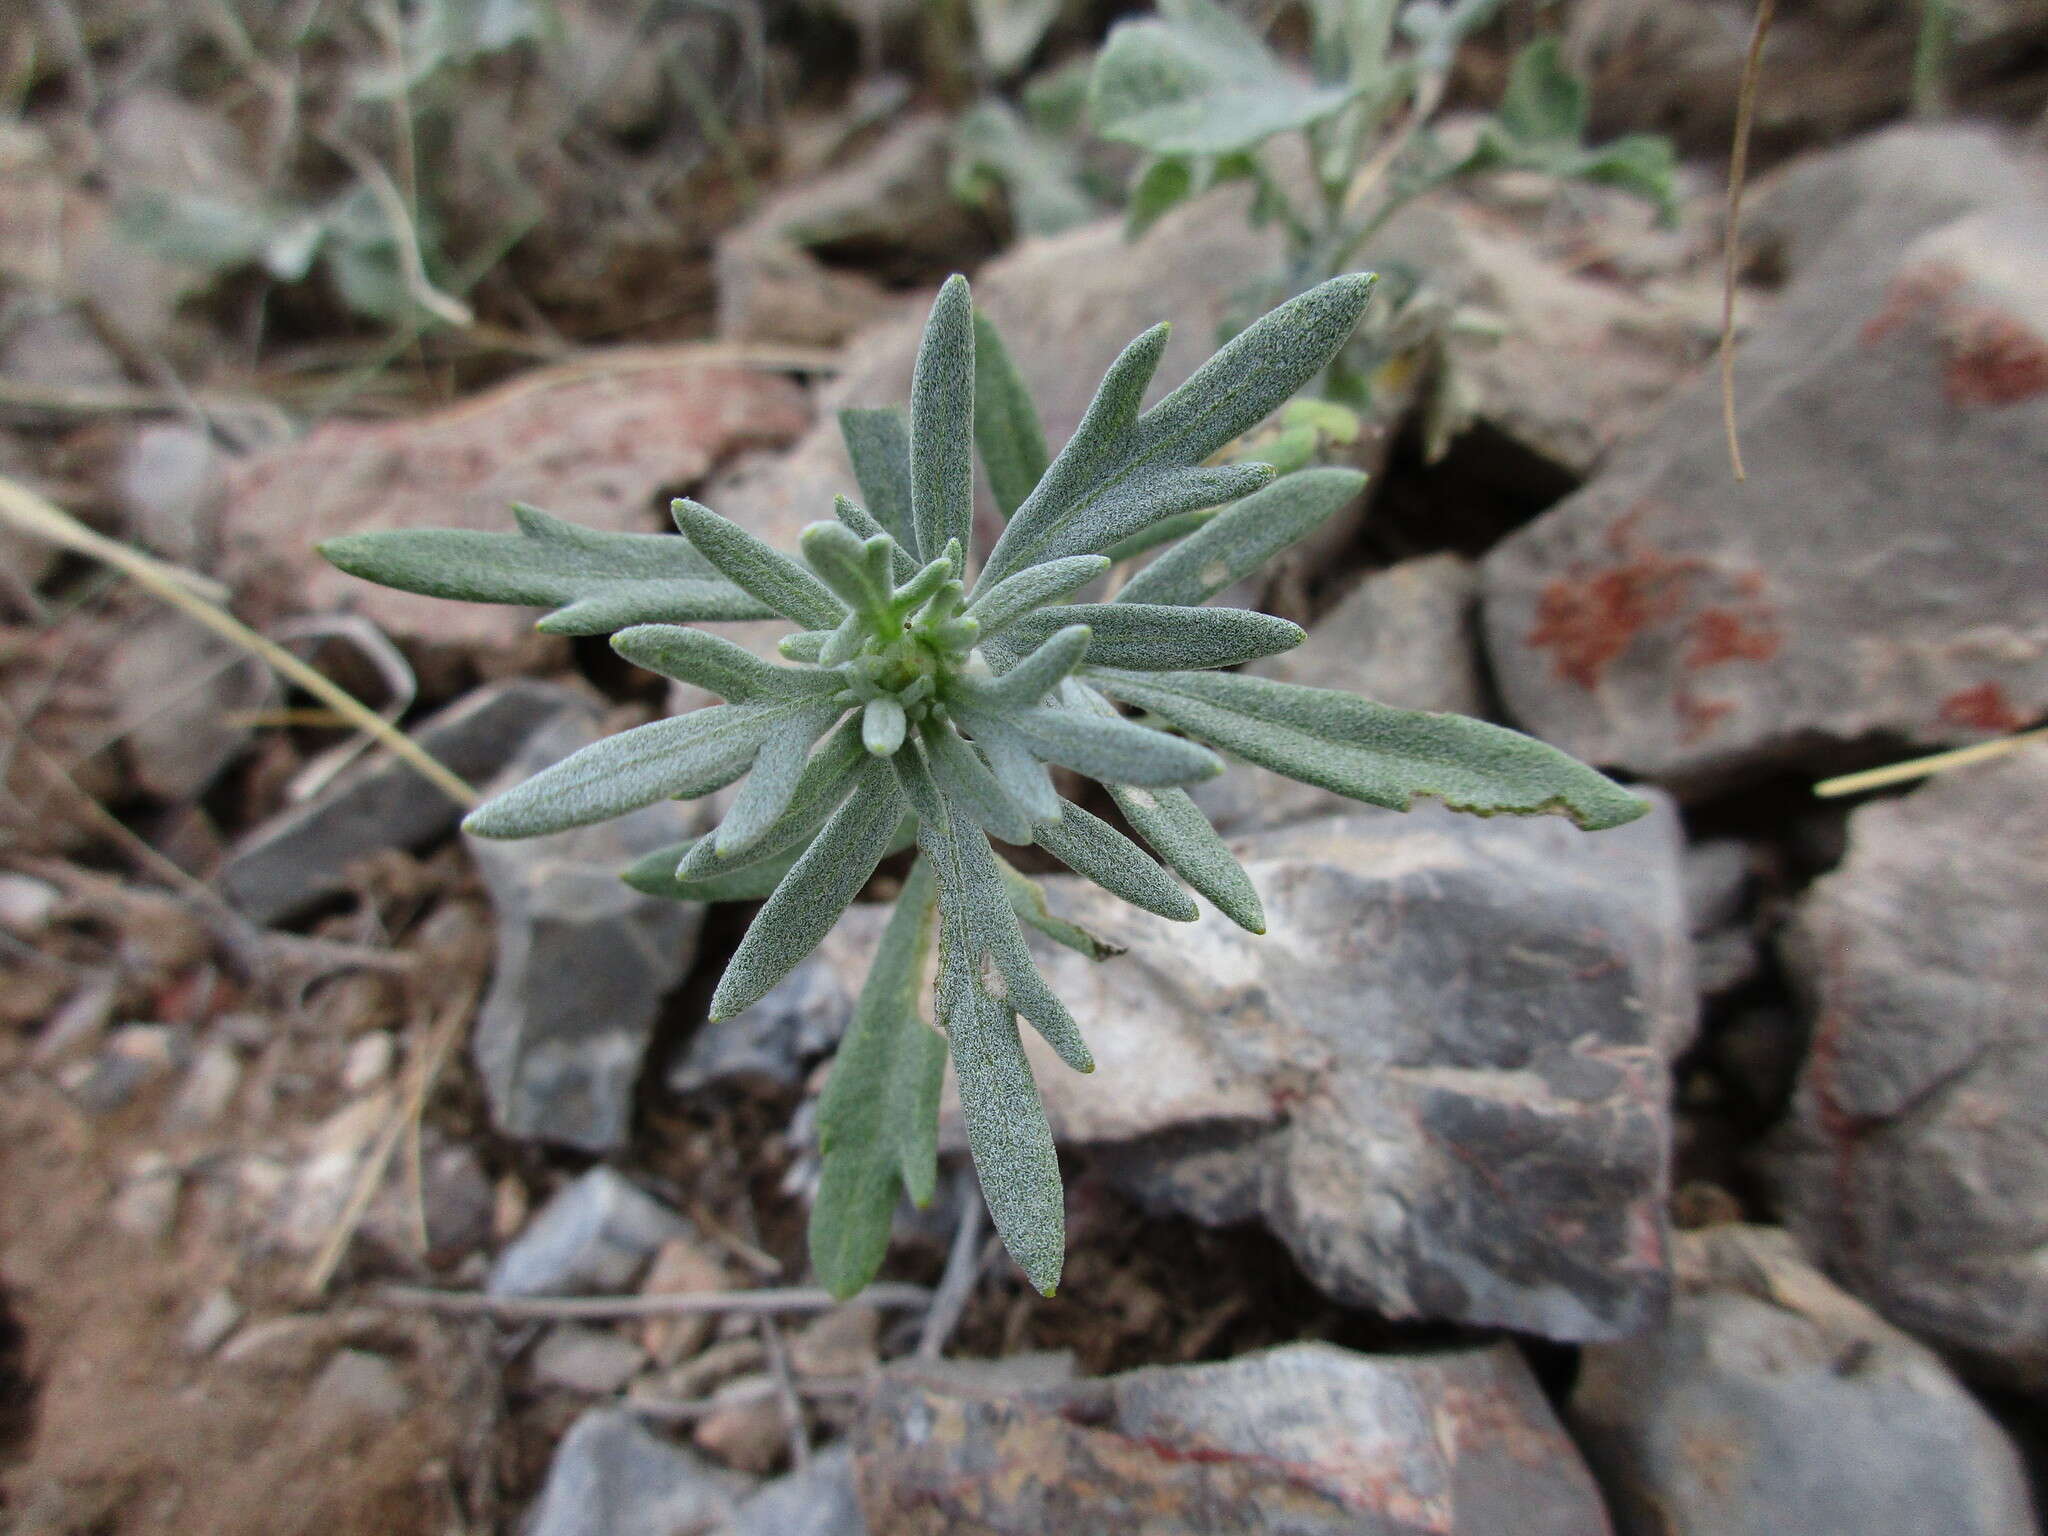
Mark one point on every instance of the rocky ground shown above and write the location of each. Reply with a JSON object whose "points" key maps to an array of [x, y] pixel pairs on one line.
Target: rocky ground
{"points": [[1687, 1178]]}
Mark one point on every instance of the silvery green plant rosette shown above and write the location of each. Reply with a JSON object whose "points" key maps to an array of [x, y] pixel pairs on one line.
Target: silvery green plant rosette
{"points": [[924, 703]]}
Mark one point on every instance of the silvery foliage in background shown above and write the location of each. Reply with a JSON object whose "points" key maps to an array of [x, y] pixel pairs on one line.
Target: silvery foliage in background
{"points": [[926, 703], [1197, 90]]}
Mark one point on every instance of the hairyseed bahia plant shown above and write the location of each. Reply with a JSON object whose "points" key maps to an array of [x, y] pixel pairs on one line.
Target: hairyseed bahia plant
{"points": [[925, 702]]}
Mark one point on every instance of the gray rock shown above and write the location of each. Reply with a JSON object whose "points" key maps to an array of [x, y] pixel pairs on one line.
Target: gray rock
{"points": [[1913, 1163], [592, 1236], [821, 1500], [1406, 636], [1440, 1078], [587, 1360], [1563, 365], [1726, 951], [354, 1392], [175, 689], [1306, 1439], [612, 1476], [134, 1056], [583, 961], [892, 197], [775, 1043], [1769, 1401], [1835, 67], [217, 1316], [301, 856], [171, 481], [1883, 568]]}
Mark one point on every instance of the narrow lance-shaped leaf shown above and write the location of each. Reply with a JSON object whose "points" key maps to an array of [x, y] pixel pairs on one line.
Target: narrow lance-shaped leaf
{"points": [[878, 1117], [1006, 1126], [866, 527], [967, 782], [1373, 753], [1004, 603], [675, 759], [1115, 449], [878, 443], [1033, 677], [817, 889], [824, 782], [1027, 900], [772, 782], [717, 665], [654, 874], [1090, 846], [942, 423], [1242, 538], [1174, 827], [1006, 426], [596, 581], [1127, 512], [1149, 637], [1017, 768], [1112, 749], [757, 568]]}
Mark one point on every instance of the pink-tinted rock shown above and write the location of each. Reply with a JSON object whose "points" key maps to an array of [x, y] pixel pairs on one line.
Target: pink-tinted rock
{"points": [[1310, 1440], [1885, 566], [1914, 1164], [599, 441]]}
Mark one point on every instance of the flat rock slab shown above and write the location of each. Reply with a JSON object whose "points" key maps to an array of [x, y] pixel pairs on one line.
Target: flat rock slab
{"points": [[613, 1476], [1913, 1163], [594, 1235], [597, 441], [1441, 1078], [301, 856], [1885, 566], [1769, 1401], [583, 964], [1307, 1439]]}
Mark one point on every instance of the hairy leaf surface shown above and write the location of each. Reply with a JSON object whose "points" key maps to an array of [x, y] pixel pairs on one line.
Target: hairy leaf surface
{"points": [[1374, 753], [596, 581]]}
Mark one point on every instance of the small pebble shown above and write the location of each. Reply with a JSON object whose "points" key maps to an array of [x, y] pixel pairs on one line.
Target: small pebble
{"points": [[146, 1205], [589, 1360], [368, 1062], [744, 1427], [27, 904], [217, 1317], [209, 1087]]}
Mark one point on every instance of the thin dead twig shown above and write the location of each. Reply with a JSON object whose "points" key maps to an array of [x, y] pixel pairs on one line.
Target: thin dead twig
{"points": [[1925, 767], [1738, 170], [684, 1410], [964, 1263], [426, 1072], [785, 1393], [26, 510]]}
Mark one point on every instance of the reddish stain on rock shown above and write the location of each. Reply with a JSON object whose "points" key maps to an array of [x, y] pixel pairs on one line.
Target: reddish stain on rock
{"points": [[1912, 293], [1589, 618], [1722, 635], [1989, 357], [1993, 359], [1698, 716], [1982, 708]]}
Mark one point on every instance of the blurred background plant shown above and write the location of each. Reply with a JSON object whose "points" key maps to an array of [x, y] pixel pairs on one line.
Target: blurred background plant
{"points": [[1335, 155]]}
